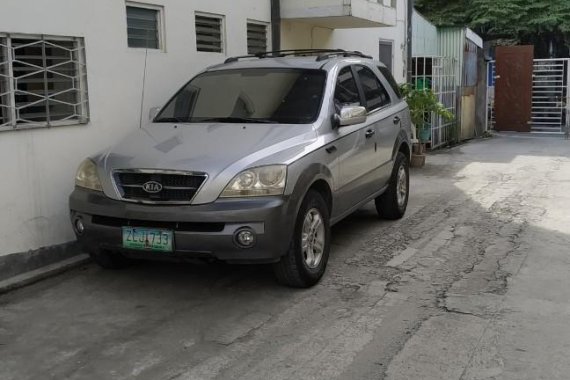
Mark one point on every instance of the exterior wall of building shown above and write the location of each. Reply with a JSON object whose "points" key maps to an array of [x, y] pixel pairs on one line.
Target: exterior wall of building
{"points": [[337, 14], [302, 35], [37, 166], [366, 40]]}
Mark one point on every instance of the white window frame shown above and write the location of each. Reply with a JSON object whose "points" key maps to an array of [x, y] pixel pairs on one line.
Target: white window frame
{"points": [[160, 24], [14, 121], [223, 36], [267, 33]]}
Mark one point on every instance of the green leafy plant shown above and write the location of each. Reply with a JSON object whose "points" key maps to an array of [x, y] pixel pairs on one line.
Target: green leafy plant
{"points": [[422, 103], [453, 134]]}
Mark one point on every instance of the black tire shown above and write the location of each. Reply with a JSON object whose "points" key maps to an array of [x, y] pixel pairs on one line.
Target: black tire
{"points": [[387, 204], [293, 269], [110, 260]]}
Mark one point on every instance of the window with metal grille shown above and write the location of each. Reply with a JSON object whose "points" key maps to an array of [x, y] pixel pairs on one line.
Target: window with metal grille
{"points": [[209, 33], [143, 27], [256, 38], [43, 81]]}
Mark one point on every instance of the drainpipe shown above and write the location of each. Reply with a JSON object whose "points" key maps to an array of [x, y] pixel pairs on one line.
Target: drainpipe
{"points": [[275, 25], [409, 42]]}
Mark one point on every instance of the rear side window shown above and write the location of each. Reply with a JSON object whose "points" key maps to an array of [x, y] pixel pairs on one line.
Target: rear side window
{"points": [[374, 92], [391, 81], [346, 91]]}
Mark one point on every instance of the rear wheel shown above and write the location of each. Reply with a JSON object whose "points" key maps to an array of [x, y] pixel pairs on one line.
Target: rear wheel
{"points": [[306, 261], [393, 203], [109, 259]]}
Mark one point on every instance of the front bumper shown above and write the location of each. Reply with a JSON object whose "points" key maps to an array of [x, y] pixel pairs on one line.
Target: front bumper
{"points": [[200, 231]]}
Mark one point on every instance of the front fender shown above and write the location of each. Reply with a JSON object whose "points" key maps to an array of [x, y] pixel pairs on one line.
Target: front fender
{"points": [[304, 178]]}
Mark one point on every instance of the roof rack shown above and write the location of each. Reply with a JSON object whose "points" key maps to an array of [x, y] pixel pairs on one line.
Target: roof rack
{"points": [[322, 54]]}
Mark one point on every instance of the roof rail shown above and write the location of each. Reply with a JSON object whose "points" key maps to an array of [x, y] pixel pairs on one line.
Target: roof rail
{"points": [[322, 54], [343, 53]]}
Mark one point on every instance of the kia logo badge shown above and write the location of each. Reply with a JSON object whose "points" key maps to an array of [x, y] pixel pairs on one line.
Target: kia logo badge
{"points": [[152, 187]]}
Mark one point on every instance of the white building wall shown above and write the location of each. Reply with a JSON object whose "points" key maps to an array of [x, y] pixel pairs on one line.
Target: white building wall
{"points": [[37, 166], [302, 35], [366, 40]]}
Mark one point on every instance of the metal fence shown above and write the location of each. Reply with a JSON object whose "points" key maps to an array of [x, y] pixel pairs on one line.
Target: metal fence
{"points": [[549, 92], [550, 95], [439, 75]]}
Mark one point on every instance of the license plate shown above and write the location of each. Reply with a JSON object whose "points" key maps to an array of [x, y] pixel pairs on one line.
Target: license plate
{"points": [[148, 239]]}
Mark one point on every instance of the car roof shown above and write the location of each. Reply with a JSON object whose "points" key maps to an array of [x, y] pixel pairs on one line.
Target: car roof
{"points": [[290, 62]]}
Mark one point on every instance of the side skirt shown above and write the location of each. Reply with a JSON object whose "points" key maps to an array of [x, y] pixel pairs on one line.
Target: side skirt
{"points": [[337, 219]]}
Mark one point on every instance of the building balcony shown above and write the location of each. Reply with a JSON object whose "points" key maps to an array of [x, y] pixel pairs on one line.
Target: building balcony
{"points": [[340, 14]]}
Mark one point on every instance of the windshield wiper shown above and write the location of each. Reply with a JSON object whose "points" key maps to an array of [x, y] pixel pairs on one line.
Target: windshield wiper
{"points": [[232, 119], [171, 119]]}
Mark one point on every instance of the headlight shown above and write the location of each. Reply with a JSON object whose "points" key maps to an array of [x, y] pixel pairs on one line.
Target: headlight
{"points": [[87, 176], [265, 180]]}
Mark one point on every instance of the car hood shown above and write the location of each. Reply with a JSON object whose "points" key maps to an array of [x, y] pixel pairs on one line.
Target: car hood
{"points": [[221, 150]]}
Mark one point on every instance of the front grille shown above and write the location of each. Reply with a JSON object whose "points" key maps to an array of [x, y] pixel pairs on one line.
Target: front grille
{"points": [[177, 187], [175, 226]]}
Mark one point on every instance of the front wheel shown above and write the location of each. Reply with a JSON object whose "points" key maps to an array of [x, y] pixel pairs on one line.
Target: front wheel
{"points": [[305, 262], [393, 203]]}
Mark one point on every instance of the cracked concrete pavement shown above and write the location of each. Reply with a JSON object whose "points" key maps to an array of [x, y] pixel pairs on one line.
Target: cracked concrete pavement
{"points": [[474, 283]]}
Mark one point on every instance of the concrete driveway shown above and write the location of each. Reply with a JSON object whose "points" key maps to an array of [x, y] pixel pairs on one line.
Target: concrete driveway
{"points": [[473, 284]]}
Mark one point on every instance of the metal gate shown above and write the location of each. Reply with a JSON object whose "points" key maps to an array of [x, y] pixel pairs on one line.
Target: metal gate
{"points": [[550, 95], [549, 92], [438, 74]]}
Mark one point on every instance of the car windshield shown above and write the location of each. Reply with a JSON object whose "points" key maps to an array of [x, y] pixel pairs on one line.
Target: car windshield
{"points": [[264, 95]]}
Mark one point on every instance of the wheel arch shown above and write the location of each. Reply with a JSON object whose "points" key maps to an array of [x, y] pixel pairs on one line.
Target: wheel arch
{"points": [[315, 177], [402, 144], [323, 188]]}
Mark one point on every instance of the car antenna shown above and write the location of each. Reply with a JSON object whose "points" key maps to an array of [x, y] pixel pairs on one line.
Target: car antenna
{"points": [[144, 79]]}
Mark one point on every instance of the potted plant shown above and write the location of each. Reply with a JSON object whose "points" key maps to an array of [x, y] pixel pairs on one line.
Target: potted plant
{"points": [[422, 103]]}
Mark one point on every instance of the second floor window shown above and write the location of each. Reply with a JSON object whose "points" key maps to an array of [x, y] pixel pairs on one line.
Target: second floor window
{"points": [[256, 38], [209, 33], [143, 27]]}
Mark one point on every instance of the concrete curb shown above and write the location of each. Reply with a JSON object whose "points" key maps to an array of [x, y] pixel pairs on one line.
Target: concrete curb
{"points": [[42, 273], [15, 264]]}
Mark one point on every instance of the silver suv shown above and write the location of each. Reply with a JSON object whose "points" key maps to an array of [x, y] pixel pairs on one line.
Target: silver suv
{"points": [[252, 161]]}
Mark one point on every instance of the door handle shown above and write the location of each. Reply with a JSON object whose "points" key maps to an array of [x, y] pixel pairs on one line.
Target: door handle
{"points": [[397, 120], [369, 133]]}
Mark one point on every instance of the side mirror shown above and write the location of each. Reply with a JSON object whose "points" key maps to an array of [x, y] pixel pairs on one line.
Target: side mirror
{"points": [[350, 115], [153, 112]]}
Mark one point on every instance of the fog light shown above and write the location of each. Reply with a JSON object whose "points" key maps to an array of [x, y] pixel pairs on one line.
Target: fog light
{"points": [[245, 238], [79, 226]]}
